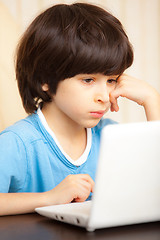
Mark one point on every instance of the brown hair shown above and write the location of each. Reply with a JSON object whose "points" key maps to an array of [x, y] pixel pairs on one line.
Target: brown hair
{"points": [[66, 40]]}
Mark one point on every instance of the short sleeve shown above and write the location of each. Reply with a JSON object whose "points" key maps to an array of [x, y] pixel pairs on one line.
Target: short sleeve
{"points": [[13, 163]]}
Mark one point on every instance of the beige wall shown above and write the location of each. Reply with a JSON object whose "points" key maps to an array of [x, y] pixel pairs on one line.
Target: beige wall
{"points": [[141, 19], [10, 104]]}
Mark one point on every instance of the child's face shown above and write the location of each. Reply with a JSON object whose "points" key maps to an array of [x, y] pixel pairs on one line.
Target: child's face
{"points": [[84, 99]]}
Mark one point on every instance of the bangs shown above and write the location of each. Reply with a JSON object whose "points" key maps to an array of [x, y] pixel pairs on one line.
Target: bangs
{"points": [[97, 45], [101, 56]]}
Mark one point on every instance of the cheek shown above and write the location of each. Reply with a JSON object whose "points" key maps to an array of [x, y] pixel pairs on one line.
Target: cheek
{"points": [[72, 99], [76, 105], [71, 103]]}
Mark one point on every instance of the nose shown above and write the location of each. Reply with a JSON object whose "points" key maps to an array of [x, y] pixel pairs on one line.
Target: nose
{"points": [[102, 96]]}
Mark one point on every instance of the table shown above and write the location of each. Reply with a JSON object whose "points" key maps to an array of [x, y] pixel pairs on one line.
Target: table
{"points": [[36, 227]]}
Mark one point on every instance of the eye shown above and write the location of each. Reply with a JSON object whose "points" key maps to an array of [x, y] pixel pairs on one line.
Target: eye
{"points": [[110, 81], [87, 80]]}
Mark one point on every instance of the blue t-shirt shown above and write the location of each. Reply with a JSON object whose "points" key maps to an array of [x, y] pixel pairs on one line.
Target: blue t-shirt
{"points": [[30, 160]]}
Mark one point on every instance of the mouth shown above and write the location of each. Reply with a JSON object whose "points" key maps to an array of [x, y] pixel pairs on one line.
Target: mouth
{"points": [[97, 114]]}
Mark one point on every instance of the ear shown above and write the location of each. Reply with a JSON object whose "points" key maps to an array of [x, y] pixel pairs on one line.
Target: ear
{"points": [[45, 87]]}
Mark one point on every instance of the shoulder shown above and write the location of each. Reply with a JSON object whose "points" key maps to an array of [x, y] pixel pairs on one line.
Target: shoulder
{"points": [[102, 123], [25, 130]]}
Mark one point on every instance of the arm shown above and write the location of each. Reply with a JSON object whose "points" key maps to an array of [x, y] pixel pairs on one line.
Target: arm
{"points": [[138, 91], [73, 187], [19, 203], [152, 108]]}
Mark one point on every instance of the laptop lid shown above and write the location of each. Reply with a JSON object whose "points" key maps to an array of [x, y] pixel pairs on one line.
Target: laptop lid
{"points": [[127, 188]]}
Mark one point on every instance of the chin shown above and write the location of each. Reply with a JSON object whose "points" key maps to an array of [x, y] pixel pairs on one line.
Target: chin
{"points": [[92, 123]]}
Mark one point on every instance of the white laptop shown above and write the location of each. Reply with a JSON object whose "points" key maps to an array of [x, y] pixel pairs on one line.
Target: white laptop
{"points": [[127, 185]]}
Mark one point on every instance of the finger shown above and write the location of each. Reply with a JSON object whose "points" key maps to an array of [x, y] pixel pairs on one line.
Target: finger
{"points": [[87, 178], [113, 101], [114, 107], [82, 192], [85, 187], [114, 95]]}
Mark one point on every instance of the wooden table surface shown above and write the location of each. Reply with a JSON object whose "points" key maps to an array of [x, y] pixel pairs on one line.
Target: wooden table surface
{"points": [[36, 227]]}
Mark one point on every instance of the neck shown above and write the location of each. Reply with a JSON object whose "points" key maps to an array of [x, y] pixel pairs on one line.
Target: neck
{"points": [[67, 131], [61, 124]]}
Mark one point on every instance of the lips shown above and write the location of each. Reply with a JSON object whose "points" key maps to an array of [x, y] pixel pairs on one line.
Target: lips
{"points": [[97, 114]]}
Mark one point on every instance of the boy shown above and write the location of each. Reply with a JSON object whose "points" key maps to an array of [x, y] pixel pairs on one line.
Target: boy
{"points": [[69, 68]]}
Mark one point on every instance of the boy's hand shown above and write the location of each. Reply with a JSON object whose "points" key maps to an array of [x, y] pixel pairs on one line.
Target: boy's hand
{"points": [[138, 91], [73, 187]]}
